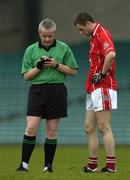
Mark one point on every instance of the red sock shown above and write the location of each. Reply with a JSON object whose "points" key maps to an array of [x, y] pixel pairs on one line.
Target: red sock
{"points": [[110, 162], [92, 162]]}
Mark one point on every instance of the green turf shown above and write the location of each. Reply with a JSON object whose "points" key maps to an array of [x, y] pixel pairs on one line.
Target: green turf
{"points": [[67, 164]]}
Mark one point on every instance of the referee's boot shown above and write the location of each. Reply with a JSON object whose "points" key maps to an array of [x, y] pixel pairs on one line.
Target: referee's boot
{"points": [[21, 168], [48, 168]]}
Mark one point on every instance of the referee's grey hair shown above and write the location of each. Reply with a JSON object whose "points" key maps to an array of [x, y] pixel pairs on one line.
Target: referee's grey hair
{"points": [[47, 24]]}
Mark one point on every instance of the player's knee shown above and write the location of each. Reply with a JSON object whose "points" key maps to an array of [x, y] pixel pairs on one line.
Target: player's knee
{"points": [[89, 129], [103, 129]]}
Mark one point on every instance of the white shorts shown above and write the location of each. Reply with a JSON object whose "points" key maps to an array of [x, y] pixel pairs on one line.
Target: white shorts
{"points": [[101, 99]]}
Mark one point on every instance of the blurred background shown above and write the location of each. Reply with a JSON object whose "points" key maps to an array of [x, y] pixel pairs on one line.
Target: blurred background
{"points": [[19, 21]]}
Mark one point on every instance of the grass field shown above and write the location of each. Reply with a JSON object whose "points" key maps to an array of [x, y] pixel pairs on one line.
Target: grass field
{"points": [[67, 165]]}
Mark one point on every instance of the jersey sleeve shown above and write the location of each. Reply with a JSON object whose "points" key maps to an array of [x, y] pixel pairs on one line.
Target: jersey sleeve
{"points": [[106, 42], [26, 63], [69, 59]]}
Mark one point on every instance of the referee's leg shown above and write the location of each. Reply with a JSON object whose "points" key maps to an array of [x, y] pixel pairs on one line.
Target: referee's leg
{"points": [[29, 141], [50, 143]]}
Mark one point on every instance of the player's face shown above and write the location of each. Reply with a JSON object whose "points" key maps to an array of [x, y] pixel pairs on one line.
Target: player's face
{"points": [[47, 36], [84, 29]]}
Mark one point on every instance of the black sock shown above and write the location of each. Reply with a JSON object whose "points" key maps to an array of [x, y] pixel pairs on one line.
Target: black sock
{"points": [[27, 147], [49, 150]]}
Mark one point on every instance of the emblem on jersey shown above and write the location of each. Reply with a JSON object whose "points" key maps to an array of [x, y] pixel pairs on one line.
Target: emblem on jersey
{"points": [[105, 45]]}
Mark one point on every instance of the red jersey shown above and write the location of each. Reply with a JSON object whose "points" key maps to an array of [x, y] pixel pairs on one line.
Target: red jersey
{"points": [[101, 44]]}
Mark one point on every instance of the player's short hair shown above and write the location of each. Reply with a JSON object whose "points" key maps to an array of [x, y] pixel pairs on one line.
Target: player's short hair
{"points": [[47, 24], [82, 18]]}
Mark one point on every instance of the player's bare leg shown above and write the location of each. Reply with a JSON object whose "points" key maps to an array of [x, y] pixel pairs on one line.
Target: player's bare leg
{"points": [[93, 144], [50, 143], [103, 120]]}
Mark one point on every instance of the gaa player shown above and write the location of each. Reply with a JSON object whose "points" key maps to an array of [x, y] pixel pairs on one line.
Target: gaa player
{"points": [[101, 89], [46, 64]]}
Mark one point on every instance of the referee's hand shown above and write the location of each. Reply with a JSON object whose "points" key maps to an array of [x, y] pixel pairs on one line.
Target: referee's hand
{"points": [[50, 62], [97, 77], [40, 64]]}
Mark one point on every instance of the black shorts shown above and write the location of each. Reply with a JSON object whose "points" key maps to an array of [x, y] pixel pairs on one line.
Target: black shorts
{"points": [[48, 101]]}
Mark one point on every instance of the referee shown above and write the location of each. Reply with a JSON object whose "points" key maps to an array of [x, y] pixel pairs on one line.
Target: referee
{"points": [[46, 64]]}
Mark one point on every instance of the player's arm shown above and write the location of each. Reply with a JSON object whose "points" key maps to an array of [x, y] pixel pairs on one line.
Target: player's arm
{"points": [[108, 49], [109, 59], [109, 53]]}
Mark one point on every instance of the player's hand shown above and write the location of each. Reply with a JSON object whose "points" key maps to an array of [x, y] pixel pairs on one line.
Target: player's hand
{"points": [[97, 77]]}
